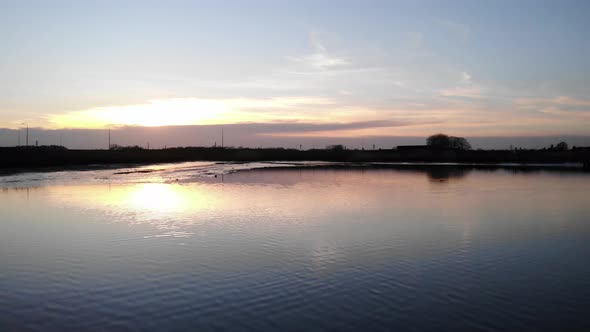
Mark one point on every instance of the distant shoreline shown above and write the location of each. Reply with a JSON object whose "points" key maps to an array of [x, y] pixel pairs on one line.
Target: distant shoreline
{"points": [[15, 159]]}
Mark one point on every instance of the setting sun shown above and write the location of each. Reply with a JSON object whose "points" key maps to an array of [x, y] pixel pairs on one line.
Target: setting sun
{"points": [[193, 111], [160, 112]]}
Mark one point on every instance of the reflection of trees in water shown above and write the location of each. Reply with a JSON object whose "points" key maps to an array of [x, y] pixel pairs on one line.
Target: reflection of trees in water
{"points": [[289, 176], [444, 173], [22, 189]]}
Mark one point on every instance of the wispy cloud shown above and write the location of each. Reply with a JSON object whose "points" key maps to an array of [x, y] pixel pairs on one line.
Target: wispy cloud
{"points": [[560, 107], [296, 128], [465, 88], [465, 78], [320, 59], [556, 101], [470, 92]]}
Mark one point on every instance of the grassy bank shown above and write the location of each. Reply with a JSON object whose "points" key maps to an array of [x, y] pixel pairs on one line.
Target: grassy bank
{"points": [[49, 156]]}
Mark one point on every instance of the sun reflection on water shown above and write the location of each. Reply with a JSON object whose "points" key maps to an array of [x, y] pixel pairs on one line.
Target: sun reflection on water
{"points": [[159, 197], [147, 197], [171, 208]]}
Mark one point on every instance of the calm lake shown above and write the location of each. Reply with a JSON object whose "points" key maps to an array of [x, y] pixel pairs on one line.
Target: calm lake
{"points": [[198, 247]]}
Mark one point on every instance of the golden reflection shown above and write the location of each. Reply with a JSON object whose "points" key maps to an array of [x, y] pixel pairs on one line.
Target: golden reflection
{"points": [[282, 194], [286, 196], [144, 199], [284, 200], [158, 196]]}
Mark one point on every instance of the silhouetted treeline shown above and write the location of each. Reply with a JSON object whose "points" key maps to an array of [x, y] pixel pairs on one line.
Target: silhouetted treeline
{"points": [[44, 156]]}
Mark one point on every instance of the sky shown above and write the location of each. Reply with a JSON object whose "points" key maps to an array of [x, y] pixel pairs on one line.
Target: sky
{"points": [[285, 72]]}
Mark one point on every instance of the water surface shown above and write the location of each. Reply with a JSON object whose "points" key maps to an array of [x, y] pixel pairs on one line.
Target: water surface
{"points": [[196, 247]]}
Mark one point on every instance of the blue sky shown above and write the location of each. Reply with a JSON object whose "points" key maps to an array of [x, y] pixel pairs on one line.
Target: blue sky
{"points": [[469, 68]]}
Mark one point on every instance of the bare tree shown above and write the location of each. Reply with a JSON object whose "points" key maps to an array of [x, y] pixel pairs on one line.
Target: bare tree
{"points": [[561, 146], [439, 140], [448, 142]]}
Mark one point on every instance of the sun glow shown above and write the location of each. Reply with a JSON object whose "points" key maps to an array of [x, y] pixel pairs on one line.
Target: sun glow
{"points": [[191, 111], [166, 112]]}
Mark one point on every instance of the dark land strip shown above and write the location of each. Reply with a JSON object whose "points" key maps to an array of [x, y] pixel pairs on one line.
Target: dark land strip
{"points": [[54, 157]]}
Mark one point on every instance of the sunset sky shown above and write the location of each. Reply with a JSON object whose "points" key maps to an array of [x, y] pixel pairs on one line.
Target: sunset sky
{"points": [[298, 69]]}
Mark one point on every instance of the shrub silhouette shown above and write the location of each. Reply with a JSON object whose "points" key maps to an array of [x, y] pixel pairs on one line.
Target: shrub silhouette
{"points": [[448, 142]]}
